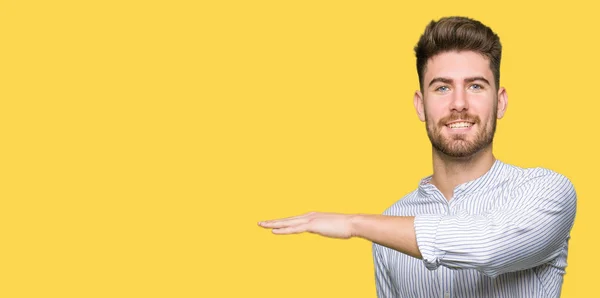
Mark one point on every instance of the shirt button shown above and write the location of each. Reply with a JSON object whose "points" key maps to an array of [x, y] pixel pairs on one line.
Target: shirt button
{"points": [[446, 295]]}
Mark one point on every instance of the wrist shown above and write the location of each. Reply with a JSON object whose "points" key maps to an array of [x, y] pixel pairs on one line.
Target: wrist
{"points": [[356, 222]]}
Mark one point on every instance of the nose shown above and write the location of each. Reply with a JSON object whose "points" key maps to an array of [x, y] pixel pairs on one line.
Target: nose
{"points": [[459, 100]]}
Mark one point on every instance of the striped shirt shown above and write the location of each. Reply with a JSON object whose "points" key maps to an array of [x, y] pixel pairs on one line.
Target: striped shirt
{"points": [[504, 234]]}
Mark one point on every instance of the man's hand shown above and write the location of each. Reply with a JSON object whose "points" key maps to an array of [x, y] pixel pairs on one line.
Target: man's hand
{"points": [[332, 225], [395, 232]]}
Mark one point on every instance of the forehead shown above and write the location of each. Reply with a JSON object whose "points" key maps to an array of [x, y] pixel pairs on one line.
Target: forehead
{"points": [[457, 66]]}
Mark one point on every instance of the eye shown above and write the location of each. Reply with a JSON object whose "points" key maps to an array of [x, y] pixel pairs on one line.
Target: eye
{"points": [[476, 87], [442, 89]]}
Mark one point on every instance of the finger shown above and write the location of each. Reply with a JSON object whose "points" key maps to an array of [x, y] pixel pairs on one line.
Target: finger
{"points": [[284, 223], [288, 218], [291, 230]]}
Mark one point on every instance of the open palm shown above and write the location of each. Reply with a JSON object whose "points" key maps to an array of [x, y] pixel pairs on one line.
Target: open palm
{"points": [[332, 225]]}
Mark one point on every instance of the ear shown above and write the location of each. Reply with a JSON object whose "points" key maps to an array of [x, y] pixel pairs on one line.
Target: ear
{"points": [[502, 102], [418, 101]]}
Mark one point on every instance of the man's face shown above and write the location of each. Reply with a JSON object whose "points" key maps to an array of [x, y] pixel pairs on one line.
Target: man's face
{"points": [[460, 103]]}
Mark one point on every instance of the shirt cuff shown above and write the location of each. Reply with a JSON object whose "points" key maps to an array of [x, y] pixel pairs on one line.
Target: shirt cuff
{"points": [[426, 227]]}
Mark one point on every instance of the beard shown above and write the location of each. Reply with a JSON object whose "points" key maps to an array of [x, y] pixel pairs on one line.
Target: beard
{"points": [[458, 145]]}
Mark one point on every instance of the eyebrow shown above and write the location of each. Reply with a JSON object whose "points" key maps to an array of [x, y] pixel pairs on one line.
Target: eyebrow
{"points": [[466, 80]]}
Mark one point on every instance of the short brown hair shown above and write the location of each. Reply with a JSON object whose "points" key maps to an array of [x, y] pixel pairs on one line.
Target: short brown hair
{"points": [[458, 34]]}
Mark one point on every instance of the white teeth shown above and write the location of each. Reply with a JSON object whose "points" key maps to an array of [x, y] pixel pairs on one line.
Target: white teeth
{"points": [[460, 125]]}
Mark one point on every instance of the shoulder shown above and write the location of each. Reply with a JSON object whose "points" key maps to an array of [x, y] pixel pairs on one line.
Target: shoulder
{"points": [[542, 177], [402, 205], [535, 183], [533, 175]]}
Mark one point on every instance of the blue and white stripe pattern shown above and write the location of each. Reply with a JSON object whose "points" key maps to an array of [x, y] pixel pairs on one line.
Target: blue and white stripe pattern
{"points": [[504, 234]]}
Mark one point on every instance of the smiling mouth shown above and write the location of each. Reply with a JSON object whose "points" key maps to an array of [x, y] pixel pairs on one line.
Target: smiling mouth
{"points": [[458, 125]]}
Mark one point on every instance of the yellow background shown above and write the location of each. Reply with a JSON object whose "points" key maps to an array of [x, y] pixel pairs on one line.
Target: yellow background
{"points": [[142, 140]]}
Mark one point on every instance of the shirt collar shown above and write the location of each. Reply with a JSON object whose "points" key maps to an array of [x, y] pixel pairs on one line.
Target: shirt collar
{"points": [[486, 181]]}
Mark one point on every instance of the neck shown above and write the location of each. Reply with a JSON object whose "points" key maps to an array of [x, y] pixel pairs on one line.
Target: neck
{"points": [[449, 172]]}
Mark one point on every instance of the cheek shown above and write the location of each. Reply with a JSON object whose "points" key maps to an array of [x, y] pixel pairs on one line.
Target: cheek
{"points": [[483, 104], [433, 113], [484, 110]]}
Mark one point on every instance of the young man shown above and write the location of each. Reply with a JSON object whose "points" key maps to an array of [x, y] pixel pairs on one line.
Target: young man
{"points": [[477, 227]]}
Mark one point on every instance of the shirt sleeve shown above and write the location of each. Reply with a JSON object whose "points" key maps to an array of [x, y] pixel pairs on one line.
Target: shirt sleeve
{"points": [[530, 230], [383, 283]]}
